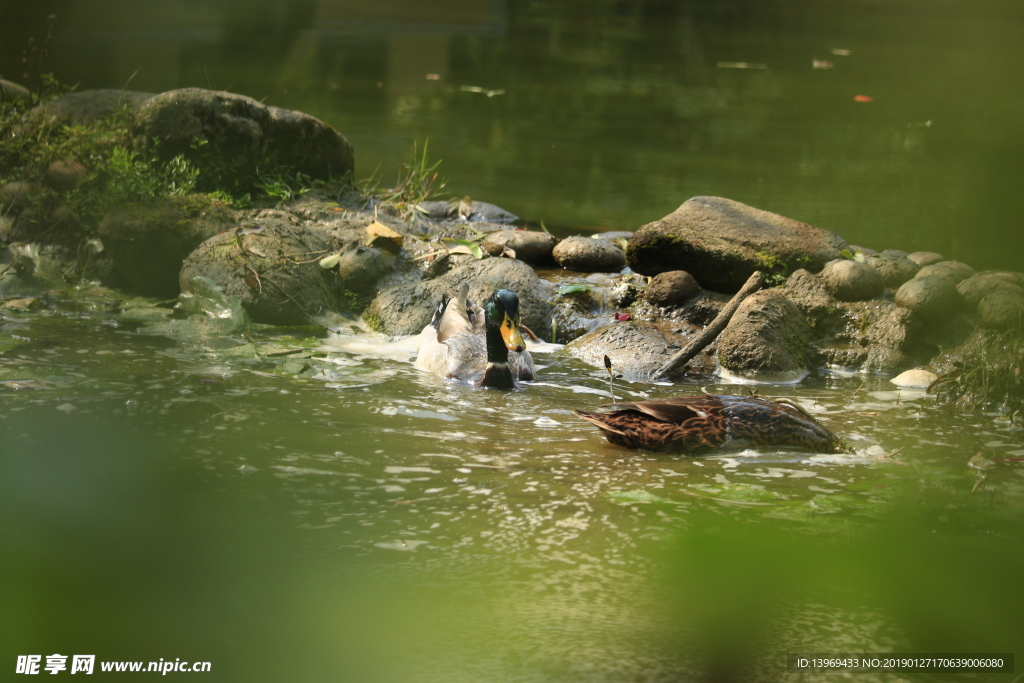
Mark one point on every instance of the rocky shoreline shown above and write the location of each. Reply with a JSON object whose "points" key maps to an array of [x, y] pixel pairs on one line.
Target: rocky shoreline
{"points": [[333, 253]]}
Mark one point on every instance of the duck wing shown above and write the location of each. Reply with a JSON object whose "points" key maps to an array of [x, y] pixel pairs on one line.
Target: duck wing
{"points": [[453, 315]]}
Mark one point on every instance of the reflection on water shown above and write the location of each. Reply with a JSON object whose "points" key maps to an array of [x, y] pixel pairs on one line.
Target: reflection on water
{"points": [[334, 509], [609, 115]]}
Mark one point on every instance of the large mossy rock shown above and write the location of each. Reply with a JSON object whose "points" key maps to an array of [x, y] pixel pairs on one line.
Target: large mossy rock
{"points": [[148, 241], [408, 308], [768, 338], [83, 108], [721, 242], [270, 264], [230, 137]]}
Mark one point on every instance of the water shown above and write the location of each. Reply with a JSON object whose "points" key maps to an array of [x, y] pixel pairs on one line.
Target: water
{"points": [[334, 514]]}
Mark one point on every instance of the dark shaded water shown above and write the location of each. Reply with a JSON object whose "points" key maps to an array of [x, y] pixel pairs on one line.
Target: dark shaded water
{"points": [[335, 515]]}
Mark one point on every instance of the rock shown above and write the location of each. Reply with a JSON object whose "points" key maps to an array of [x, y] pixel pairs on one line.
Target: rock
{"points": [[588, 254], [477, 211], [636, 348], [1008, 275], [955, 271], [918, 378], [722, 242], [530, 246], [15, 194], [896, 253], [408, 308], [767, 338], [925, 258], [811, 296], [866, 251], [931, 297], [980, 285], [83, 108], [269, 269], [895, 270], [873, 336], [613, 235], [64, 176], [230, 137], [671, 288], [360, 268], [1001, 310], [12, 92], [148, 241], [851, 281]]}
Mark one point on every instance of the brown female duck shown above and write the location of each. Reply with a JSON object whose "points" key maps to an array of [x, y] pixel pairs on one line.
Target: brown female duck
{"points": [[695, 425]]}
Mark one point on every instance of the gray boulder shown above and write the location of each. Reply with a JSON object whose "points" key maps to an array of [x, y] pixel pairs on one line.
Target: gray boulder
{"points": [[767, 338], [954, 271], [851, 280], [722, 242], [1002, 310], [671, 288], [894, 269], [932, 297], [980, 285], [875, 336], [636, 349], [588, 254], [12, 92], [230, 137], [408, 308], [530, 246], [809, 293], [148, 241], [83, 108], [925, 258], [267, 264]]}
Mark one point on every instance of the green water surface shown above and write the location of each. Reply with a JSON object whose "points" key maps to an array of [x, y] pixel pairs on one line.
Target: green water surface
{"points": [[306, 506]]}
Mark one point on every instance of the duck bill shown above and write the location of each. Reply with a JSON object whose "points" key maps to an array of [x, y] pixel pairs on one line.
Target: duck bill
{"points": [[510, 334]]}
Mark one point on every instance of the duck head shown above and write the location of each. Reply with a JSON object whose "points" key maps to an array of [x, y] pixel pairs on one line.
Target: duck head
{"points": [[502, 312], [501, 317]]}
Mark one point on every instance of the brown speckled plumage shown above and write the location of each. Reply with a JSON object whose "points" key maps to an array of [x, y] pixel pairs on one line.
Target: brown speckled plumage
{"points": [[695, 425]]}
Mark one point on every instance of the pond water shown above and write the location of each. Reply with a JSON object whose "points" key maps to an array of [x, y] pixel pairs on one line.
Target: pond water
{"points": [[303, 505]]}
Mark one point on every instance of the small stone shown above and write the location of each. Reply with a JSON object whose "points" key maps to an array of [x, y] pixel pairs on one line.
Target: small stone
{"points": [[15, 193], [361, 267], [896, 253], [954, 271], [980, 285], [64, 175], [925, 258], [12, 91], [851, 280], [932, 297], [672, 288], [918, 378], [1001, 310], [894, 269], [867, 251], [529, 246], [588, 254]]}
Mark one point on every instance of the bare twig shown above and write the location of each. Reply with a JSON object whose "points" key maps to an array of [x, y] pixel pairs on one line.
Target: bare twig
{"points": [[683, 356]]}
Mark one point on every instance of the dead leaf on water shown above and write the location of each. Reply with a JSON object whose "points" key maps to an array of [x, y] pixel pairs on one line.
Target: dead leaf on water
{"points": [[842, 52], [821, 64], [22, 304], [741, 65]]}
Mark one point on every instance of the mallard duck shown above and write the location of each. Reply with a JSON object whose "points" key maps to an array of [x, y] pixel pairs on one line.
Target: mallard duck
{"points": [[480, 345], [697, 424]]}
